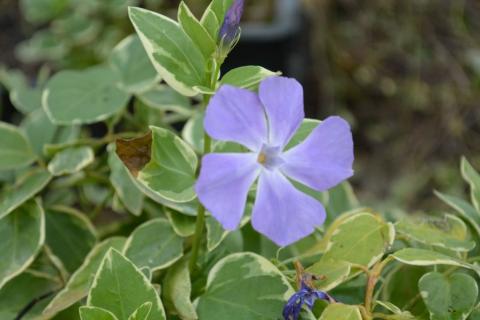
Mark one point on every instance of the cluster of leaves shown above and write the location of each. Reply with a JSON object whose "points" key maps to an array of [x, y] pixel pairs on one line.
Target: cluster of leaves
{"points": [[78, 33], [96, 230], [414, 267]]}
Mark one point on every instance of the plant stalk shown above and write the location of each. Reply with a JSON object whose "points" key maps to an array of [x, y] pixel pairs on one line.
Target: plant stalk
{"points": [[373, 277], [200, 222]]}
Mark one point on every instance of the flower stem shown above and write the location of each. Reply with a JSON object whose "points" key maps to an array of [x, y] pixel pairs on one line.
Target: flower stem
{"points": [[200, 222], [372, 279], [199, 226]]}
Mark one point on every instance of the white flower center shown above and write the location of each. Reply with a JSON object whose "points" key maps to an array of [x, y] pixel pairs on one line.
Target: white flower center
{"points": [[270, 157]]}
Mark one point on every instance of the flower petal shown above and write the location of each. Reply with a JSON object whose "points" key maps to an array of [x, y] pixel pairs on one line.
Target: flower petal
{"points": [[325, 158], [223, 185], [283, 213], [236, 115], [283, 101]]}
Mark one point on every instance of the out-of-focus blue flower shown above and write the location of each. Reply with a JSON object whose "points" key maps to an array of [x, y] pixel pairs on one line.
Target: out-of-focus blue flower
{"points": [[306, 295], [229, 33]]}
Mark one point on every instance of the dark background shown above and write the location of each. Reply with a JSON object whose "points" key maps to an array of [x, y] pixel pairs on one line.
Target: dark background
{"points": [[406, 74]]}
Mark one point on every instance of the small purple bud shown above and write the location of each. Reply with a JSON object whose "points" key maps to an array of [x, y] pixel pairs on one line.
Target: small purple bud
{"points": [[230, 30]]}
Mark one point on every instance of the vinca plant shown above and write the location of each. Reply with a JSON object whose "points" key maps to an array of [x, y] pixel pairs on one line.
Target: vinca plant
{"points": [[153, 186]]}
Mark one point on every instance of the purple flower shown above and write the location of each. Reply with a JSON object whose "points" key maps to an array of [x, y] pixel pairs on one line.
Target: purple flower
{"points": [[264, 123], [306, 295], [230, 29]]}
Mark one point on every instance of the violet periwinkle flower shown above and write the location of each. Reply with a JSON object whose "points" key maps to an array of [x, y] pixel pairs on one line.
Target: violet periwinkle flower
{"points": [[230, 30], [264, 123], [306, 295]]}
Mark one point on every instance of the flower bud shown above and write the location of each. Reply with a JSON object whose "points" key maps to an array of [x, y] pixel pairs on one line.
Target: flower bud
{"points": [[229, 33]]}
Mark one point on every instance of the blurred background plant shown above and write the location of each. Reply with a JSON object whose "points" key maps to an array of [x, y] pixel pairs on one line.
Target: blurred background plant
{"points": [[405, 73]]}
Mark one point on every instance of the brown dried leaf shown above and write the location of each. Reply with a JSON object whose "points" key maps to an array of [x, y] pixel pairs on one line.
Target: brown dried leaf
{"points": [[135, 153]]}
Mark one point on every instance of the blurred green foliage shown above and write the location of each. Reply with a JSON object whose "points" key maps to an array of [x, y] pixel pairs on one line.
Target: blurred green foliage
{"points": [[81, 33], [74, 33]]}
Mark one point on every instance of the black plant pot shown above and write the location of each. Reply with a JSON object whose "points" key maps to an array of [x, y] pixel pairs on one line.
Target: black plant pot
{"points": [[270, 44]]}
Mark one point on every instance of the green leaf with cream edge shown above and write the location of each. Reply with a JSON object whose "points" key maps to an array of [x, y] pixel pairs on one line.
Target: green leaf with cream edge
{"points": [[83, 97], [398, 314], [358, 238], [70, 236], [332, 273], [39, 129], [188, 208], [449, 232], [142, 312], [215, 231], [27, 187], [71, 160], [471, 176], [171, 170], [172, 52], [15, 150], [464, 209], [130, 61], [196, 31], [154, 244], [338, 311], [423, 257], [135, 155], [192, 131], [122, 288], [22, 234], [247, 77], [22, 290], [79, 283], [244, 286], [26, 99], [184, 225], [177, 289], [94, 313], [449, 297], [163, 98]]}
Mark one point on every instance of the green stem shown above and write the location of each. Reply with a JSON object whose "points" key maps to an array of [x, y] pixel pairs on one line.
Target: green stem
{"points": [[372, 280], [197, 238], [200, 223], [365, 315]]}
